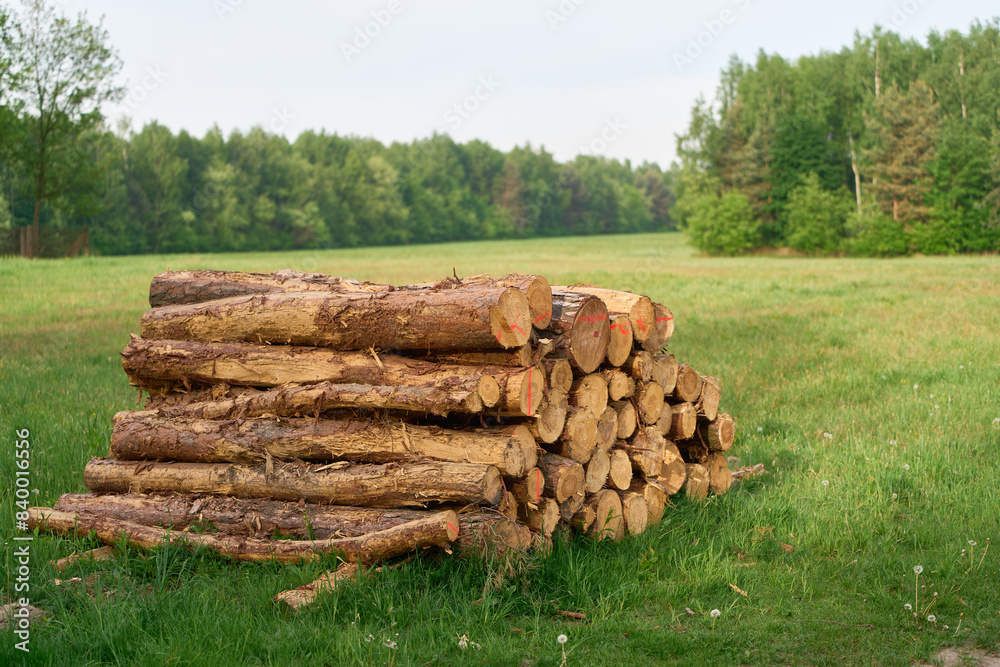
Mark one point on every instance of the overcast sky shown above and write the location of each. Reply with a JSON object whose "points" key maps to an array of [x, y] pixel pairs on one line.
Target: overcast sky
{"points": [[615, 78]]}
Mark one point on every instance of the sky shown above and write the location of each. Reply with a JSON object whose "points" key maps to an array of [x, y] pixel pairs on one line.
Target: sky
{"points": [[616, 79]]}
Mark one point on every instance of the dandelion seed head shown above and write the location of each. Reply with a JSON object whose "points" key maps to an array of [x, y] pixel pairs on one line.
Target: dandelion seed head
{"points": [[895, 496], [828, 436], [937, 407], [760, 429], [883, 377], [906, 466], [562, 639], [908, 607], [463, 642], [917, 569], [391, 645], [826, 482], [915, 387], [894, 442], [932, 395], [716, 613], [932, 619], [972, 542]]}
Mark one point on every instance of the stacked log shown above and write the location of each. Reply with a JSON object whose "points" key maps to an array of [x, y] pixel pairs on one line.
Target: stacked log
{"points": [[292, 415]]}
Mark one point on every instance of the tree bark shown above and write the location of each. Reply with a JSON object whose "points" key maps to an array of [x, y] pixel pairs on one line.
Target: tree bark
{"points": [[172, 288], [683, 421], [461, 396], [563, 477], [521, 391], [364, 485], [535, 288], [138, 436], [590, 392], [439, 529], [569, 507], [303, 596], [519, 356], [580, 329], [479, 319], [584, 519], [608, 522]]}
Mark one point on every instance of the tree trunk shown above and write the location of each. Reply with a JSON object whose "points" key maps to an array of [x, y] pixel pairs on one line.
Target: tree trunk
{"points": [[563, 477], [520, 356], [438, 529], [689, 383], [664, 329], [580, 329], [683, 421], [569, 507], [673, 470], [649, 401], [646, 451], [479, 319], [619, 384], [620, 343], [597, 469], [626, 418], [719, 434], [140, 436], [590, 392], [487, 533], [172, 288], [638, 308], [608, 522], [584, 519], [303, 596], [655, 497], [461, 396], [620, 473], [364, 485], [696, 484], [711, 395], [528, 490], [521, 391], [635, 512], [559, 373], [639, 366], [535, 288], [579, 437], [719, 476], [550, 421], [543, 518]]}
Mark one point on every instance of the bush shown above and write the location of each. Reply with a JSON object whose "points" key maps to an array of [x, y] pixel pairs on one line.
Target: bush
{"points": [[723, 225], [815, 217], [873, 234]]}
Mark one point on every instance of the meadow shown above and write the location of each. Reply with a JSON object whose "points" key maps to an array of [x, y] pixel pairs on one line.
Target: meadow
{"points": [[869, 389]]}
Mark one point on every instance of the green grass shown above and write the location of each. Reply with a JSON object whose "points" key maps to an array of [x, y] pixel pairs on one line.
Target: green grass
{"points": [[896, 359]]}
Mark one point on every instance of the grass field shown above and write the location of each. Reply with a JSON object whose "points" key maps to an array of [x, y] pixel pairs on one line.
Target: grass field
{"points": [[870, 389]]}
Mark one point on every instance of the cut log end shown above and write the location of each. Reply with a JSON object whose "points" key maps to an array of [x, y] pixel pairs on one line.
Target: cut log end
{"points": [[620, 342], [608, 521], [550, 421], [510, 318]]}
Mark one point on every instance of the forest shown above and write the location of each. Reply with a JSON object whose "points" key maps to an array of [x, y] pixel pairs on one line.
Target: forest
{"points": [[887, 147]]}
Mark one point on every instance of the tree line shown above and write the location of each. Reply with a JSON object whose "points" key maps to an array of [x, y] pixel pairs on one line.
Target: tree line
{"points": [[153, 190], [887, 147]]}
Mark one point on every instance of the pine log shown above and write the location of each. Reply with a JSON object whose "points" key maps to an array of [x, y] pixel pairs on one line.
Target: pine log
{"points": [[639, 366], [649, 401], [365, 485], [138, 436], [536, 289], [719, 476], [696, 484], [521, 391], [664, 329], [186, 287], [508, 506], [597, 469], [689, 383], [637, 307], [683, 421], [626, 418], [591, 392], [655, 497], [646, 451], [559, 374], [303, 596], [693, 451], [541, 519], [519, 356], [608, 522], [438, 529], [563, 477], [708, 402], [290, 400], [479, 318], [673, 475], [635, 512], [569, 507], [584, 519], [99, 554], [550, 421], [718, 435], [620, 473], [579, 437], [528, 490], [607, 429], [620, 385], [665, 372], [487, 533], [580, 329], [620, 343]]}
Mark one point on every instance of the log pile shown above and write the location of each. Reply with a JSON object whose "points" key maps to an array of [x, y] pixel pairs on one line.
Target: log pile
{"points": [[293, 415]]}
